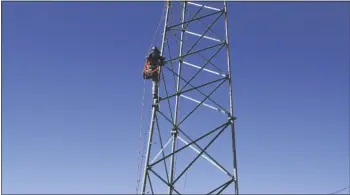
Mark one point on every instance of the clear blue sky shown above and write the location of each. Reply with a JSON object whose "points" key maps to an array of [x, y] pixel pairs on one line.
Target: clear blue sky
{"points": [[72, 86]]}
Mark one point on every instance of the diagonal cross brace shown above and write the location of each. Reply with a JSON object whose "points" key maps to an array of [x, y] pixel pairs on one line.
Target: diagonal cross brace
{"points": [[217, 165], [205, 32], [167, 94], [204, 66], [161, 151], [161, 144], [204, 104], [200, 54], [188, 54], [227, 112], [221, 186], [196, 140], [225, 186], [194, 143], [201, 103], [199, 35], [194, 19], [167, 183], [204, 149], [188, 90], [205, 69], [150, 183], [205, 24]]}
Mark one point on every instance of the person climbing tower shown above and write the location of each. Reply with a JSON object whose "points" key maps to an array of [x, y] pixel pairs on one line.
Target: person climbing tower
{"points": [[153, 61]]}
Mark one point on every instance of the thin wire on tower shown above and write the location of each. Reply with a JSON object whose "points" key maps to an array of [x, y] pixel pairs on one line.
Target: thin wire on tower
{"points": [[142, 146], [336, 192]]}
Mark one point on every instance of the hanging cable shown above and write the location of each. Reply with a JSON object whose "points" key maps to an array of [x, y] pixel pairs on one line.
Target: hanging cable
{"points": [[156, 33], [140, 159], [185, 181]]}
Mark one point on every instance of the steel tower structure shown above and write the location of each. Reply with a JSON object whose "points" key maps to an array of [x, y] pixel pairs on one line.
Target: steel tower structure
{"points": [[192, 106]]}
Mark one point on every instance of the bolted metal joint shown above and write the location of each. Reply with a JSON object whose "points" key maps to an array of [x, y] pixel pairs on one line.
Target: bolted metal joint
{"points": [[181, 59], [168, 5], [174, 131], [156, 106], [155, 96], [231, 119]]}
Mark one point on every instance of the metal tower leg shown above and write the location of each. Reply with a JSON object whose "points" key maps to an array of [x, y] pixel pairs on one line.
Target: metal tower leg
{"points": [[235, 173], [174, 132], [155, 107]]}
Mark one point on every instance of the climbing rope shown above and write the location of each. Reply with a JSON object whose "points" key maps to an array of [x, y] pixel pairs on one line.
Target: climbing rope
{"points": [[141, 148], [140, 159], [155, 34]]}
